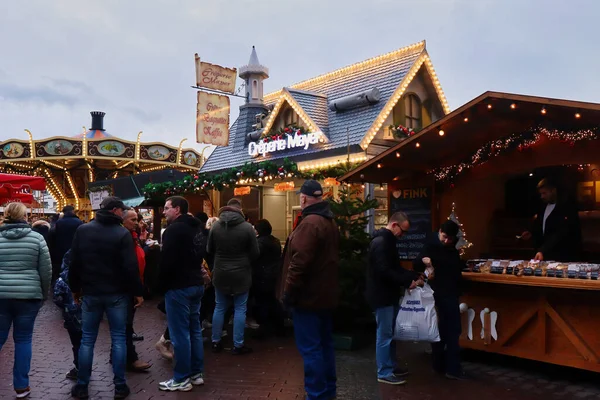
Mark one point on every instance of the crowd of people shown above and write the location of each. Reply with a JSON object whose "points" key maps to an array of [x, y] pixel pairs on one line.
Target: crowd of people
{"points": [[209, 268]]}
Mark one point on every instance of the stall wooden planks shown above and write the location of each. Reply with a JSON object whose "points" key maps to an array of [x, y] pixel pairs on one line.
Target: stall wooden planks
{"points": [[551, 320]]}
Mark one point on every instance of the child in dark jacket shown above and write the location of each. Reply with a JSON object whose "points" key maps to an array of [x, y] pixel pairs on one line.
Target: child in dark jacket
{"points": [[71, 311]]}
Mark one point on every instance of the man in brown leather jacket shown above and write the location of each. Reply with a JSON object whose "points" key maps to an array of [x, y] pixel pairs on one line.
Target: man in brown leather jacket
{"points": [[309, 286]]}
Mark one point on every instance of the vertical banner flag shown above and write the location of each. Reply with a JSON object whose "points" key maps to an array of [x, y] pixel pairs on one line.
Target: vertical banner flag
{"points": [[212, 119], [215, 77]]}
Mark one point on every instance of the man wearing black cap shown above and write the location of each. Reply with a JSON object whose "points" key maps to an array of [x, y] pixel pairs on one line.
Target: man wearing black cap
{"points": [[310, 285], [441, 261], [104, 274]]}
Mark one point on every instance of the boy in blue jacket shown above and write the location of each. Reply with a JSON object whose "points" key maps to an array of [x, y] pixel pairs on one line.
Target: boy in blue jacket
{"points": [[63, 298]]}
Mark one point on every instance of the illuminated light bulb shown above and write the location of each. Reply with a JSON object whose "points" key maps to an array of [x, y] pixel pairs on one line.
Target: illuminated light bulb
{"points": [[379, 166], [577, 115], [397, 155], [513, 106], [418, 144], [489, 106], [543, 111], [466, 119], [441, 132], [531, 174]]}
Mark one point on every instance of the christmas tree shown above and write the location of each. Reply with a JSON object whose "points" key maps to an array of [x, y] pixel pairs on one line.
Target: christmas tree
{"points": [[462, 244]]}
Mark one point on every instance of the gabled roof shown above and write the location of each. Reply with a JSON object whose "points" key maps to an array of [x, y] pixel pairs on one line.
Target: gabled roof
{"points": [[314, 105], [390, 73], [312, 101]]}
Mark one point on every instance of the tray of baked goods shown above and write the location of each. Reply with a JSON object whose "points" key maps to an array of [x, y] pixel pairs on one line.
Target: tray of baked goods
{"points": [[535, 268]]}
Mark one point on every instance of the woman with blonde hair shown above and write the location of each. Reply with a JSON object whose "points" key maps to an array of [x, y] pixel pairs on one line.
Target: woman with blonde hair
{"points": [[25, 273]]}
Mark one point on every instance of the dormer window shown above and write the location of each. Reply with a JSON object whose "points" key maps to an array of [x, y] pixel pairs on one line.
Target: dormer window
{"points": [[290, 117], [412, 111]]}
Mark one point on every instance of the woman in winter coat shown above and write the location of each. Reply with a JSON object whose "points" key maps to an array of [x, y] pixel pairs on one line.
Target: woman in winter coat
{"points": [[25, 273], [265, 273], [42, 227], [233, 243]]}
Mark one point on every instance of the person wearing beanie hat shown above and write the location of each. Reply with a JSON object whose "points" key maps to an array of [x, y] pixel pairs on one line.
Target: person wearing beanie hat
{"points": [[443, 265], [232, 242]]}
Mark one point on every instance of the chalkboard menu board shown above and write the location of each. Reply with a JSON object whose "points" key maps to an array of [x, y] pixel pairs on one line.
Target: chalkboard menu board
{"points": [[416, 203]]}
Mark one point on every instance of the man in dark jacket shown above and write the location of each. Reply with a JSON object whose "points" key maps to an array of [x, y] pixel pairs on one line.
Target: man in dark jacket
{"points": [[267, 269], [556, 228], [310, 285], [104, 270], [233, 243], [182, 277], [443, 265], [386, 281], [61, 238]]}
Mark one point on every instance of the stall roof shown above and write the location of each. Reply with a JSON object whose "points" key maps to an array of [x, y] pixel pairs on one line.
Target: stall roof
{"points": [[491, 116]]}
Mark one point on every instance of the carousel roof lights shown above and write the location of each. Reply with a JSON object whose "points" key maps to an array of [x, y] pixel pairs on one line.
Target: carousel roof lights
{"points": [[543, 111], [441, 132], [513, 106], [72, 186], [137, 146], [32, 155], [52, 164], [577, 115], [397, 154]]}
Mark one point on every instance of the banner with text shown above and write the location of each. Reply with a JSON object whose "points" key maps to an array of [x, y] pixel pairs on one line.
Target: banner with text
{"points": [[212, 119], [215, 77], [416, 203]]}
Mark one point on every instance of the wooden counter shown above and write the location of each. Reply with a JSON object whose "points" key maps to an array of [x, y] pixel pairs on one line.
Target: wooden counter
{"points": [[539, 281], [552, 320]]}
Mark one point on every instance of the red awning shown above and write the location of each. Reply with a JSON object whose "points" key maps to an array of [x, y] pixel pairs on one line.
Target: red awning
{"points": [[33, 182], [19, 188]]}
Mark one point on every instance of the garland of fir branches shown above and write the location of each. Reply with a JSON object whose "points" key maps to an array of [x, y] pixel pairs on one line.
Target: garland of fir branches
{"points": [[248, 173]]}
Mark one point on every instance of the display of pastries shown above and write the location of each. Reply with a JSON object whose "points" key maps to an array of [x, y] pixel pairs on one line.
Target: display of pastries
{"points": [[550, 269]]}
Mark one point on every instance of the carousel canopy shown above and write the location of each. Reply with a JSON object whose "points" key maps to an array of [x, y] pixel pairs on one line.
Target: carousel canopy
{"points": [[69, 164]]}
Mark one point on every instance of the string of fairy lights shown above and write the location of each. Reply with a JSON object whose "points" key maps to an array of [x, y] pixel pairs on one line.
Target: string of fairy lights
{"points": [[518, 141]]}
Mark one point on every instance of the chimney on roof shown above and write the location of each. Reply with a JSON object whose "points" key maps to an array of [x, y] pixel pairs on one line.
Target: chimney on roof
{"points": [[97, 120]]}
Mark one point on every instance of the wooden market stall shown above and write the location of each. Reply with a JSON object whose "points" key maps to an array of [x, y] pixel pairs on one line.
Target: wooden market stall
{"points": [[483, 161]]}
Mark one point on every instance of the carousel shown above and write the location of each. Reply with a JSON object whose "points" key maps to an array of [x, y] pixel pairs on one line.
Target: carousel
{"points": [[70, 164]]}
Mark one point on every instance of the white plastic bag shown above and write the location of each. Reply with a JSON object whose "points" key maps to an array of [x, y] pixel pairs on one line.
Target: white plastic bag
{"points": [[417, 319]]}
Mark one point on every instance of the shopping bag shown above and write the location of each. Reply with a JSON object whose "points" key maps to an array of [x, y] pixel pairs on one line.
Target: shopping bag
{"points": [[417, 319]]}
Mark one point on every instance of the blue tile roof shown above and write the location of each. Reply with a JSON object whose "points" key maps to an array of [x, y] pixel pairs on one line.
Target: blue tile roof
{"points": [[315, 105], [384, 73]]}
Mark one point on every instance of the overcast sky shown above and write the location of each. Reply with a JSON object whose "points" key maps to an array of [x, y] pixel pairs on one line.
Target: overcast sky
{"points": [[134, 59]]}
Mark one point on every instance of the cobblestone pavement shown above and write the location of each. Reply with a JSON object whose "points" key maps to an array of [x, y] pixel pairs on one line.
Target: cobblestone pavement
{"points": [[274, 371]]}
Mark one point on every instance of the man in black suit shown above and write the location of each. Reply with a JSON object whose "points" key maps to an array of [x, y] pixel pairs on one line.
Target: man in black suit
{"points": [[556, 230]]}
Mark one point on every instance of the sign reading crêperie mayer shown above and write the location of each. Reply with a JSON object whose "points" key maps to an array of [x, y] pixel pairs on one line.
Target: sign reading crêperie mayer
{"points": [[289, 142]]}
